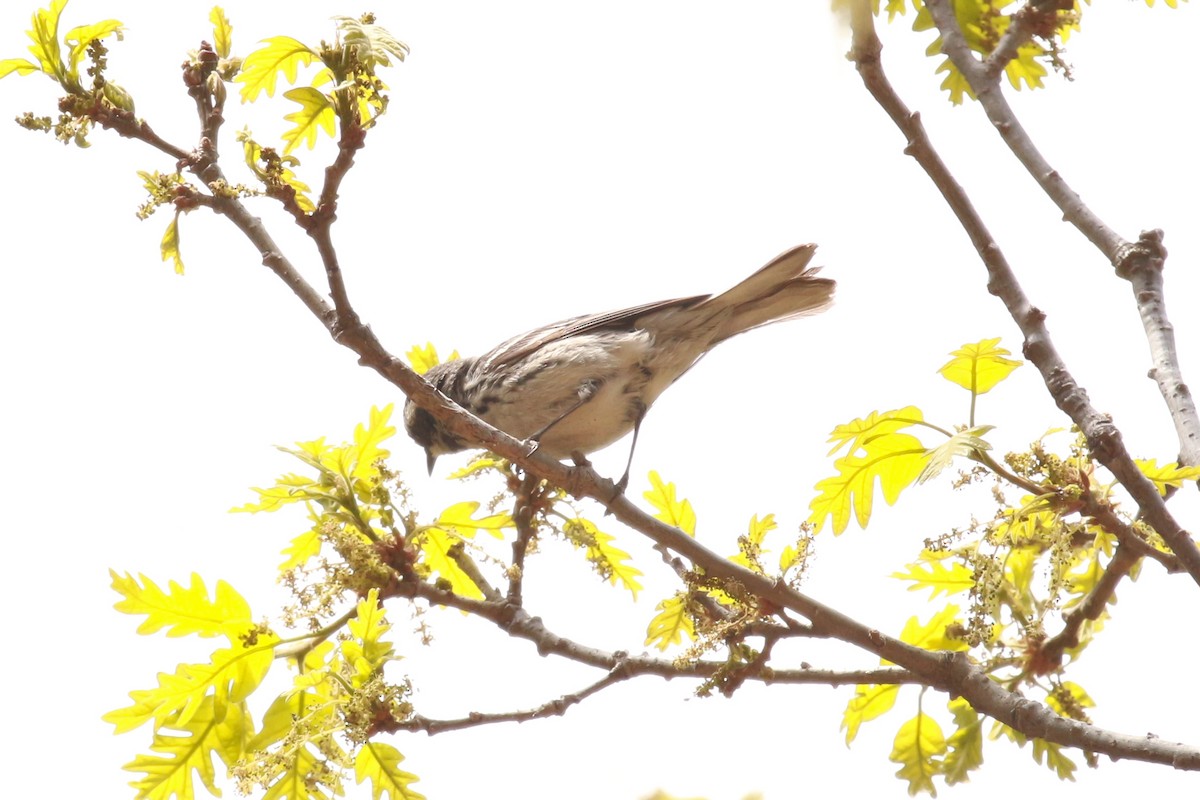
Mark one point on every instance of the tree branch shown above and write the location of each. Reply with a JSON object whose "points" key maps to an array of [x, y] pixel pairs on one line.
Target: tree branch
{"points": [[1142, 266], [1103, 438], [1140, 263], [985, 84], [1051, 651]]}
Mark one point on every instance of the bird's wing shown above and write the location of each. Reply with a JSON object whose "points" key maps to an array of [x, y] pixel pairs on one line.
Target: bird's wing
{"points": [[520, 346]]}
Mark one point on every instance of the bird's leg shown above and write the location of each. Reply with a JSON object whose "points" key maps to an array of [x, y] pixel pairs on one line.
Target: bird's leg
{"points": [[586, 391], [640, 414]]}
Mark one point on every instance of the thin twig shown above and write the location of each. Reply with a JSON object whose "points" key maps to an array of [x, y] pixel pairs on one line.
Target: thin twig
{"points": [[552, 708], [1051, 652], [523, 518]]}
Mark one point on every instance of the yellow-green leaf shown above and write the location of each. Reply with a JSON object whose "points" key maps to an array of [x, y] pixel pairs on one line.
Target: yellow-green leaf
{"points": [[1052, 756], [17, 65], [380, 763], [372, 43], [671, 624], [118, 96], [894, 459], [302, 548], [45, 47], [979, 367], [869, 702], [1168, 475], [478, 465], [424, 358], [183, 611], [232, 675], [1078, 697], [261, 69], [1026, 68], [366, 451], [170, 245], [750, 546], [858, 433], [368, 651], [965, 744], [316, 114], [938, 576], [81, 37], [436, 544], [460, 518], [932, 635], [189, 749], [918, 748], [303, 201], [222, 32], [670, 509], [965, 444], [609, 561]]}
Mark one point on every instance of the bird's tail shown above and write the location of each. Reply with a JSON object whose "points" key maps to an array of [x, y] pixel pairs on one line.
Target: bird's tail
{"points": [[783, 289]]}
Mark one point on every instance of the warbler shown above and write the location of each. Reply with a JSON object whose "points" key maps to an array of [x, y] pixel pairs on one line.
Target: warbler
{"points": [[576, 386]]}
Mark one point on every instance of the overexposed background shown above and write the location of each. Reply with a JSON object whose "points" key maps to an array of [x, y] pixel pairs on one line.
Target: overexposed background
{"points": [[541, 160]]}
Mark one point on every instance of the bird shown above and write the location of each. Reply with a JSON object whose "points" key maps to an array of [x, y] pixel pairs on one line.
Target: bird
{"points": [[576, 386]]}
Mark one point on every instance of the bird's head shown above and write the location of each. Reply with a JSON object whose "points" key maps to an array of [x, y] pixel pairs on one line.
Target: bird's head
{"points": [[423, 428]]}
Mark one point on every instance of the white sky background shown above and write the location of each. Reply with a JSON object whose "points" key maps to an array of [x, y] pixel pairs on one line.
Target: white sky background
{"points": [[541, 160]]}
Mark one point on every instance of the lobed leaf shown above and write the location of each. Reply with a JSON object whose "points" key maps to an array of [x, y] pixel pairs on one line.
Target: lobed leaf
{"points": [[316, 114], [918, 748], [965, 744], [303, 547], [1167, 476], [436, 544], [380, 764], [168, 773], [45, 47], [423, 358], [368, 651], [366, 450], [17, 65], [612, 563], [932, 635], [670, 510], [232, 675], [81, 37], [893, 459], [183, 611], [934, 574], [261, 69], [965, 444], [857, 434], [870, 701], [372, 43], [671, 624], [979, 367]]}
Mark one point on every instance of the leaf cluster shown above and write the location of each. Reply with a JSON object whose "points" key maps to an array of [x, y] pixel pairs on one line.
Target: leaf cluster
{"points": [[1031, 567], [1024, 40]]}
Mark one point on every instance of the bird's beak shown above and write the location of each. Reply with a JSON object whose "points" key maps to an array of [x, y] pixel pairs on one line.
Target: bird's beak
{"points": [[430, 459]]}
